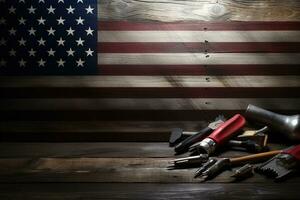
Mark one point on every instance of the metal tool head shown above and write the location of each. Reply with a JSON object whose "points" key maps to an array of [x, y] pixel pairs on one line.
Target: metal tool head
{"points": [[242, 173], [278, 167], [188, 162], [176, 136], [212, 168], [281, 165]]}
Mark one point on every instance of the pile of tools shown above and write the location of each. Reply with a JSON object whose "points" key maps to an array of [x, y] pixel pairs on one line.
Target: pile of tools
{"points": [[221, 134]]}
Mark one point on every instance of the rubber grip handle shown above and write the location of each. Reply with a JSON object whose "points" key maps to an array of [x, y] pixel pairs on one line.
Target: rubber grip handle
{"points": [[228, 129], [293, 151], [185, 144]]}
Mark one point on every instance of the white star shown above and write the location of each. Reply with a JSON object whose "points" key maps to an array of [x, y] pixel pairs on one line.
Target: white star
{"points": [[12, 10], [89, 52], [89, 31], [51, 9], [22, 42], [12, 31], [41, 62], [60, 21], [41, 21], [70, 10], [2, 62], [80, 21], [79, 1], [41, 1], [31, 31], [12, 52], [70, 31], [22, 21], [70, 52], [61, 42], [22, 63], [51, 31], [61, 62], [31, 52], [41, 42], [2, 21], [89, 10], [31, 10], [51, 52], [80, 42], [80, 62], [2, 42], [61, 1]]}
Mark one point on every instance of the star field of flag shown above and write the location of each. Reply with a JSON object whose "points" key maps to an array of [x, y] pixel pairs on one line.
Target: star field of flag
{"points": [[48, 37]]}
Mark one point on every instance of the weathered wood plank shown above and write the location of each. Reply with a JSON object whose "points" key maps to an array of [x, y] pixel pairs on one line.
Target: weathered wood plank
{"points": [[208, 10], [158, 103], [129, 170], [167, 70], [197, 58], [198, 36], [262, 191], [197, 47], [57, 82], [98, 150], [91, 150], [152, 92], [92, 131]]}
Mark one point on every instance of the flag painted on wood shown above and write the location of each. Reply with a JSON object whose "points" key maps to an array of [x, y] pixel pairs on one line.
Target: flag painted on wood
{"points": [[48, 36]]}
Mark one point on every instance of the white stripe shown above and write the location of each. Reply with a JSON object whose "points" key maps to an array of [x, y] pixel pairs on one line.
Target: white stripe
{"points": [[199, 36], [197, 58], [149, 104], [151, 81]]}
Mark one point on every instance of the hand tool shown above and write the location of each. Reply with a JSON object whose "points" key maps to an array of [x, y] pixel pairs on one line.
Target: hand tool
{"points": [[183, 146], [221, 135], [188, 162], [178, 135], [242, 173], [282, 165], [247, 145], [214, 166], [250, 140], [288, 125]]}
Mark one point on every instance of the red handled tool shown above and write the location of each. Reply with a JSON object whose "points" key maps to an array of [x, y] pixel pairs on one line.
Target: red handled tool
{"points": [[220, 135], [281, 165]]}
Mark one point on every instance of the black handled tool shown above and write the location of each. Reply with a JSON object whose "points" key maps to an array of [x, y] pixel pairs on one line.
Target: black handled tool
{"points": [[183, 146]]}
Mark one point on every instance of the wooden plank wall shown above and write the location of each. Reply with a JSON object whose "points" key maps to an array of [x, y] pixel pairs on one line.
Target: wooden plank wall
{"points": [[102, 108]]}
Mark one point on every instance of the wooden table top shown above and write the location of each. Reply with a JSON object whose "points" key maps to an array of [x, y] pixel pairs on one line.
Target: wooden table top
{"points": [[119, 171]]}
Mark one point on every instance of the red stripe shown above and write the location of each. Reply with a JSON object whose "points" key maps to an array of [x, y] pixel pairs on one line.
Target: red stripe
{"points": [[194, 47], [209, 26], [152, 92], [210, 70]]}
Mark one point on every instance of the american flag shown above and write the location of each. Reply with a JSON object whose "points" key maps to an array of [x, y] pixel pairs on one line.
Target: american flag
{"points": [[143, 75], [48, 37]]}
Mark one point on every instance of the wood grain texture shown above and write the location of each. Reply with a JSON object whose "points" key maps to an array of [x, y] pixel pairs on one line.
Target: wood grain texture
{"points": [[57, 82], [198, 36], [100, 150], [79, 191], [208, 10], [167, 70], [102, 170], [198, 58], [157, 103]]}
